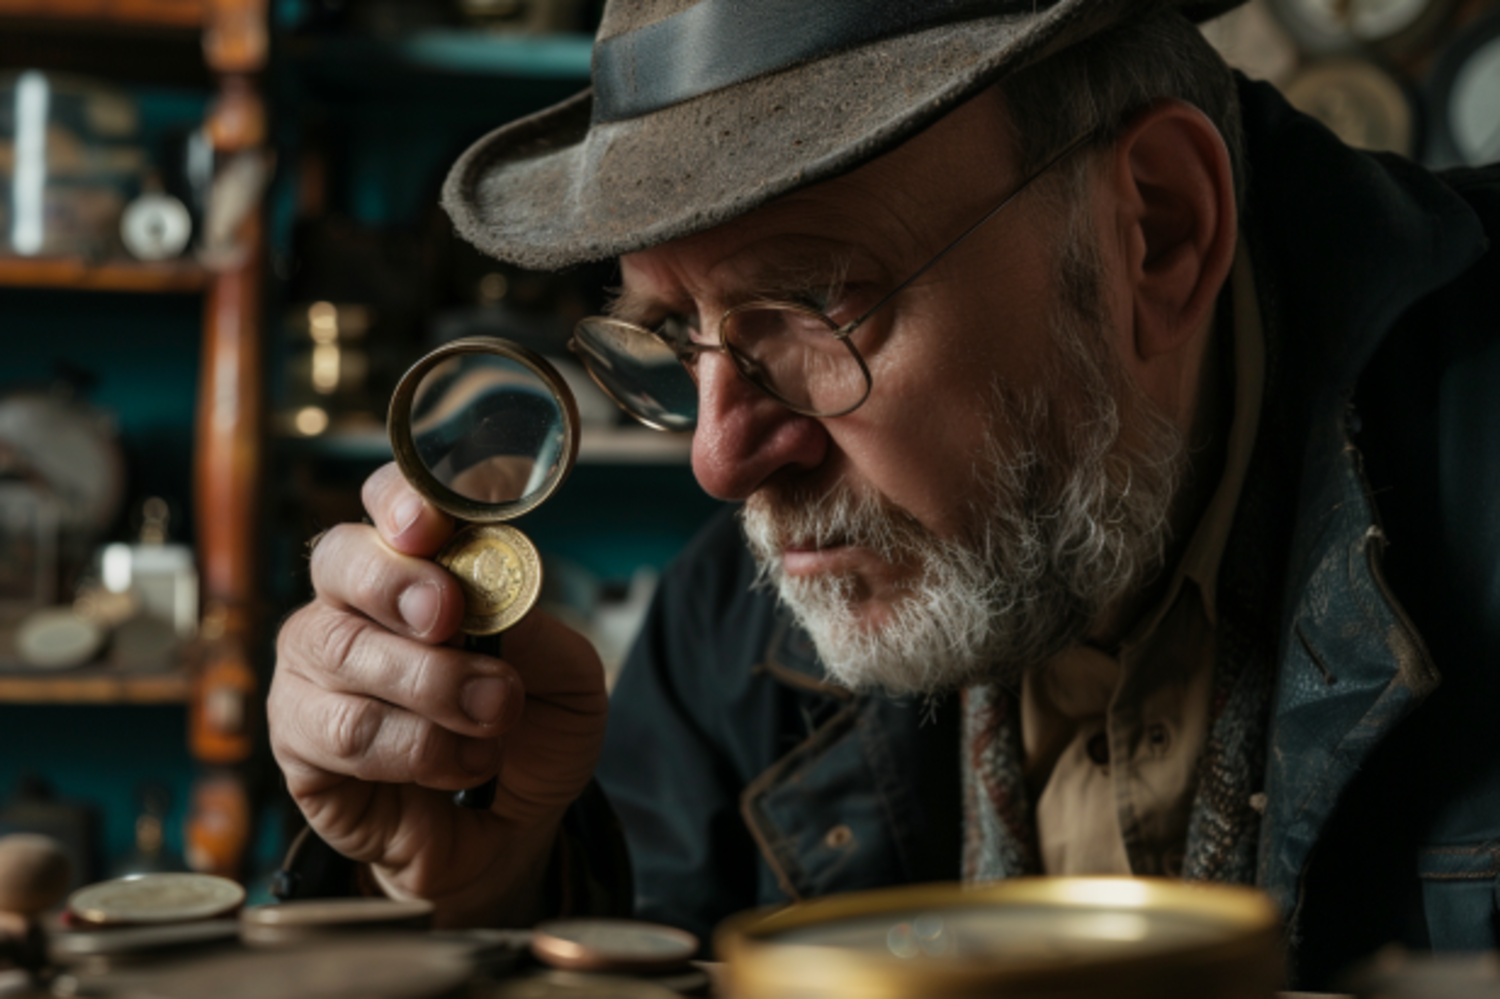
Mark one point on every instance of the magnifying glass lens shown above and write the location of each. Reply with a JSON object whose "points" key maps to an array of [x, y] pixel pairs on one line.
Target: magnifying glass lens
{"points": [[489, 428]]}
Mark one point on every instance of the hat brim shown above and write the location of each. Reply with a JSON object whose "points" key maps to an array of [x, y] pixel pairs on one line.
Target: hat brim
{"points": [[550, 191]]}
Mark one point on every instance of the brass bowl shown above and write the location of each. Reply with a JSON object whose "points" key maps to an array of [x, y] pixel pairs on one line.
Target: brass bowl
{"points": [[1029, 937]]}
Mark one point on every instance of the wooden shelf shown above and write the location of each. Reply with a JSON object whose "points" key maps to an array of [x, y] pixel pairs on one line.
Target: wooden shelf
{"points": [[128, 276], [95, 685], [139, 13]]}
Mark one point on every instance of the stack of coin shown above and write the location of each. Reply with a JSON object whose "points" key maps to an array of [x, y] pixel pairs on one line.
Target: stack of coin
{"points": [[133, 921], [97, 951], [291, 923], [373, 966]]}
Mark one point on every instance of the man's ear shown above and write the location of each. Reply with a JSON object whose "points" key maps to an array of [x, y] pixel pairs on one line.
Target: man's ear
{"points": [[1176, 215]]}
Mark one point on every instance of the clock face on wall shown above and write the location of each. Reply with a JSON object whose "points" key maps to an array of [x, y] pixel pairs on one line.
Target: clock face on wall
{"points": [[1323, 26], [73, 449], [1465, 93], [1359, 102]]}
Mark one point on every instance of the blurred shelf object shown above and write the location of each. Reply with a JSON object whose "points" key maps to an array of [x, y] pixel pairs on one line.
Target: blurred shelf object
{"points": [[171, 681], [360, 59], [179, 277], [122, 40], [596, 446], [220, 47]]}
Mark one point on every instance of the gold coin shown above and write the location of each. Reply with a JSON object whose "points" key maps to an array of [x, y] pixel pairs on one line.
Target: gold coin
{"points": [[500, 573], [156, 898]]}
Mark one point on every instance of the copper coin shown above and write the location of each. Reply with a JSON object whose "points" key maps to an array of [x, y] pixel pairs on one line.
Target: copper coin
{"points": [[500, 572], [612, 945], [155, 898]]}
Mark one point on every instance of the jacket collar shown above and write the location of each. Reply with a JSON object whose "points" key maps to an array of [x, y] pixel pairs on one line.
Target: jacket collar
{"points": [[1345, 243], [1351, 240]]}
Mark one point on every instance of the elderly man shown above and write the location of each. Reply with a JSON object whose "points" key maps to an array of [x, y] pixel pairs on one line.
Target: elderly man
{"points": [[1114, 451]]}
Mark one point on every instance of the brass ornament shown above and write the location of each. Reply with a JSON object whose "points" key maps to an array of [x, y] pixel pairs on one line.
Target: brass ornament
{"points": [[500, 573]]}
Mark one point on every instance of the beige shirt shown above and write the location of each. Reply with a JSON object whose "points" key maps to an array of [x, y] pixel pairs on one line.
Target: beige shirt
{"points": [[1112, 737]]}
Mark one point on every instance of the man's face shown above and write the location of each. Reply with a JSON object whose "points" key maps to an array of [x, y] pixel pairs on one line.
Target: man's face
{"points": [[947, 530]]}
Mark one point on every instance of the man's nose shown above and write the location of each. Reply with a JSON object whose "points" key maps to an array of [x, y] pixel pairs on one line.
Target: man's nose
{"points": [[744, 436]]}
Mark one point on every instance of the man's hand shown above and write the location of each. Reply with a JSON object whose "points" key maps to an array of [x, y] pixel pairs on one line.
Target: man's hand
{"points": [[377, 718]]}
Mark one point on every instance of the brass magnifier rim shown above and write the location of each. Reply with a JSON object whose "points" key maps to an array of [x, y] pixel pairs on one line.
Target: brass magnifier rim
{"points": [[1240, 958], [398, 424]]}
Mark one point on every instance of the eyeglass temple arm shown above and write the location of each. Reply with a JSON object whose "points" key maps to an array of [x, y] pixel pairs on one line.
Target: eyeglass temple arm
{"points": [[853, 324]]}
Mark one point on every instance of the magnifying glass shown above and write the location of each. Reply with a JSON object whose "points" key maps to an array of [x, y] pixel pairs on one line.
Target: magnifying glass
{"points": [[486, 430]]}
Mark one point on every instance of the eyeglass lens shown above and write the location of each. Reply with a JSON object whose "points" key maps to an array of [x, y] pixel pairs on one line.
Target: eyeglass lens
{"points": [[789, 352], [639, 371]]}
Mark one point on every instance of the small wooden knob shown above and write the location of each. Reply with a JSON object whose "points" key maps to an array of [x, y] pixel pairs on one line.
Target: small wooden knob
{"points": [[34, 873]]}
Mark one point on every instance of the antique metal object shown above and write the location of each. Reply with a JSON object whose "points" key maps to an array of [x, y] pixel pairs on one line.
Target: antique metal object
{"points": [[1118, 937], [486, 430]]}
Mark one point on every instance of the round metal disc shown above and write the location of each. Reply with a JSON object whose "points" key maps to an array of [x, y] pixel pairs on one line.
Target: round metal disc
{"points": [[499, 571], [156, 898], [612, 945]]}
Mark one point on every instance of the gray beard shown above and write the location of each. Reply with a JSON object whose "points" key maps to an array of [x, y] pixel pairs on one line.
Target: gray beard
{"points": [[1070, 517]]}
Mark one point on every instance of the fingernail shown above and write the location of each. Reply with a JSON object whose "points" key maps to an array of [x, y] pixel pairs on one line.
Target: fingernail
{"points": [[419, 605], [406, 513], [483, 698], [477, 755]]}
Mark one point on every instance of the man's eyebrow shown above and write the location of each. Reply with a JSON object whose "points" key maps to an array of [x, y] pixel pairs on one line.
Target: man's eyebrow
{"points": [[807, 278], [630, 305]]}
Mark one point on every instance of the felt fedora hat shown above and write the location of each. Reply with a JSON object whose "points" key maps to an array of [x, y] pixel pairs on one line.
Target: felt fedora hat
{"points": [[701, 110]]}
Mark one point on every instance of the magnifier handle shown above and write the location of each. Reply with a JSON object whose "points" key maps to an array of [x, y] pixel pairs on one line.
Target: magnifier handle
{"points": [[482, 796]]}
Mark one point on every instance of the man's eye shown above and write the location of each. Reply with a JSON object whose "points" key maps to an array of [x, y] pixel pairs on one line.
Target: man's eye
{"points": [[676, 330]]}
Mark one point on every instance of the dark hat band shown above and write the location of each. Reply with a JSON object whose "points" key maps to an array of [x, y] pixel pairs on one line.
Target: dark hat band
{"points": [[718, 43]]}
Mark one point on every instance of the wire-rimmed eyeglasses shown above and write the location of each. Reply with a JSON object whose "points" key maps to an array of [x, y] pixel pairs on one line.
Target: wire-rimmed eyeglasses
{"points": [[792, 352]]}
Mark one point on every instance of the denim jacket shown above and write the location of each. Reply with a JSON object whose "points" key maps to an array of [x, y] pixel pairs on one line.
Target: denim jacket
{"points": [[1361, 590]]}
